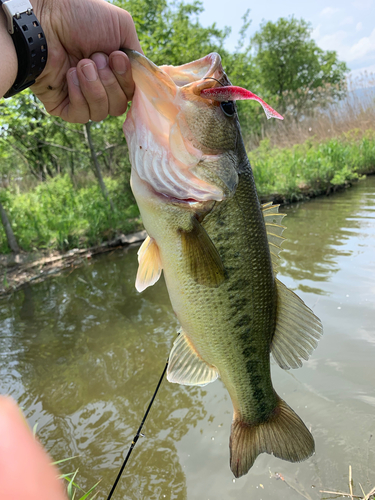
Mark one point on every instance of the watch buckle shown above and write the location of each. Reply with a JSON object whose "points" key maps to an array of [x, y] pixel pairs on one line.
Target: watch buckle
{"points": [[14, 8]]}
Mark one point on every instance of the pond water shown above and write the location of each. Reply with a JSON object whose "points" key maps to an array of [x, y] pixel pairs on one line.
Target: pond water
{"points": [[82, 354]]}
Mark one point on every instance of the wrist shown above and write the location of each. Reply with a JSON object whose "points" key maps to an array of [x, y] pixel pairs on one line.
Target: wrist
{"points": [[29, 42], [8, 57]]}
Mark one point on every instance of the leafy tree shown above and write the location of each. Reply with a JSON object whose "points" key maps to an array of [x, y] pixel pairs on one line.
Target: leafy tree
{"points": [[294, 69], [35, 141], [171, 33]]}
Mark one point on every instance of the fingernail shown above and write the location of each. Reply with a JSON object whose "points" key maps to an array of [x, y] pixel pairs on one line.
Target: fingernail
{"points": [[90, 72], [119, 65], [75, 77], [101, 60]]}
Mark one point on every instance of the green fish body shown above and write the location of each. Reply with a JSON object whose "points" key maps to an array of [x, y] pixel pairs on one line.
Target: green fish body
{"points": [[217, 247]]}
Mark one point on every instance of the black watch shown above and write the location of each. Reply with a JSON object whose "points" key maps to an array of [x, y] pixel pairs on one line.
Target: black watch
{"points": [[29, 41]]}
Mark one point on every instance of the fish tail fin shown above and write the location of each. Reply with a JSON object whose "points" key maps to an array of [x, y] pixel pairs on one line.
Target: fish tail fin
{"points": [[283, 435]]}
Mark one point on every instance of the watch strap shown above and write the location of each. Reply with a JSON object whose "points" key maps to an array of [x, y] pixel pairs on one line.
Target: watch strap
{"points": [[31, 47]]}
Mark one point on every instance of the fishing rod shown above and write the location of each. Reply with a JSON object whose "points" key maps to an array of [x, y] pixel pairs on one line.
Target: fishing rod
{"points": [[136, 437]]}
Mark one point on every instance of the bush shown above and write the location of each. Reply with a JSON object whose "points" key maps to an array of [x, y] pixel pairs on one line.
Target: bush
{"points": [[312, 168], [55, 215]]}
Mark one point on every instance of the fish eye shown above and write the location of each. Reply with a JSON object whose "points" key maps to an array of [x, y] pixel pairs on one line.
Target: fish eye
{"points": [[228, 108]]}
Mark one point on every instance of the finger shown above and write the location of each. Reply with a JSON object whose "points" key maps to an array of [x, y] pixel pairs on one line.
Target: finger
{"points": [[121, 67], [24, 465], [117, 99], [74, 108], [128, 33], [92, 89]]}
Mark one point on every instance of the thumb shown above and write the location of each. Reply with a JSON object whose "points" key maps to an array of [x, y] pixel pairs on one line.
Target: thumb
{"points": [[25, 468]]}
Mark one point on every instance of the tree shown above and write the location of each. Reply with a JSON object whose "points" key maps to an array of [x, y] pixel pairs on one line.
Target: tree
{"points": [[171, 33], [35, 141], [11, 239], [94, 156], [294, 69]]}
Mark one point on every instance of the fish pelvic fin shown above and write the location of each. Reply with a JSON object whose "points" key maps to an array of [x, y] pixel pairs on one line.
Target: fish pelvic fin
{"points": [[204, 263], [297, 329], [149, 269], [186, 366], [283, 435]]}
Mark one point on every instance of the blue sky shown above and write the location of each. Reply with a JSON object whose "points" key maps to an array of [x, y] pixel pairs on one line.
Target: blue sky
{"points": [[346, 26]]}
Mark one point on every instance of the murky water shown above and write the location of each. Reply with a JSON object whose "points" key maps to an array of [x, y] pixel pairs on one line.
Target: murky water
{"points": [[82, 353]]}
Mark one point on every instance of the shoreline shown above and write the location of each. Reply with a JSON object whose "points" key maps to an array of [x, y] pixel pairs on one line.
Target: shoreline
{"points": [[28, 267]]}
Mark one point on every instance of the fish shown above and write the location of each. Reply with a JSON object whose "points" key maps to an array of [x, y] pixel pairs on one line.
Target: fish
{"points": [[218, 247]]}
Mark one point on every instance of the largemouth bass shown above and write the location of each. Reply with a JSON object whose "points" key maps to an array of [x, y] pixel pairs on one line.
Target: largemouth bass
{"points": [[218, 248]]}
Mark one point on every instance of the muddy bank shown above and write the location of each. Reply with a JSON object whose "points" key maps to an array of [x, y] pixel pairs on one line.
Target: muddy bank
{"points": [[17, 270]]}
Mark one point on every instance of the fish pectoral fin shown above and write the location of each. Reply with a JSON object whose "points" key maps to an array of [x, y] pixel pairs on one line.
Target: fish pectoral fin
{"points": [[203, 260], [186, 367], [297, 329], [149, 269]]}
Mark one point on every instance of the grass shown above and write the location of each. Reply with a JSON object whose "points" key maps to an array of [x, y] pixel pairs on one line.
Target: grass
{"points": [[72, 486], [364, 496], [55, 215], [314, 167]]}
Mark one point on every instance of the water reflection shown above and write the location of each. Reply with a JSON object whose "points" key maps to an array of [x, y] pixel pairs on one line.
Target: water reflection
{"points": [[90, 351], [320, 232], [82, 353]]}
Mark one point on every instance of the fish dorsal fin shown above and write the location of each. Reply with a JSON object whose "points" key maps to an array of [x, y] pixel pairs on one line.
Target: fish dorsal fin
{"points": [[149, 269], [186, 367], [204, 263], [297, 329], [274, 228]]}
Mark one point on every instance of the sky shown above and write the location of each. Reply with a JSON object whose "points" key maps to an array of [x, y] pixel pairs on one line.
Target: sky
{"points": [[346, 26]]}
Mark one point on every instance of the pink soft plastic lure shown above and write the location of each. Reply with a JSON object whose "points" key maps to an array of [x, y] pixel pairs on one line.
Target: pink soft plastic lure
{"points": [[232, 93]]}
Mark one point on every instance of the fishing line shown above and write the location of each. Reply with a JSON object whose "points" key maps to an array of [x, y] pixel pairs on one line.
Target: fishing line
{"points": [[212, 78], [136, 437]]}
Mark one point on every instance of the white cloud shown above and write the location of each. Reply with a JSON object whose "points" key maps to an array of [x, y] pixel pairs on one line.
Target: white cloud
{"points": [[315, 34], [335, 41], [347, 20], [328, 12], [358, 26], [359, 72], [363, 47]]}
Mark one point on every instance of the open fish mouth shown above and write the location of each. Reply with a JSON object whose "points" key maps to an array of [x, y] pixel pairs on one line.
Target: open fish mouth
{"points": [[159, 152], [169, 147]]}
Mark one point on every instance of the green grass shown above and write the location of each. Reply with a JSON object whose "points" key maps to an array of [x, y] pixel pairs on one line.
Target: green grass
{"points": [[55, 215], [72, 487], [312, 168]]}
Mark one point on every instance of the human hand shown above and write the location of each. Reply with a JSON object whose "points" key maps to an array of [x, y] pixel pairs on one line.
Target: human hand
{"points": [[86, 76], [26, 471]]}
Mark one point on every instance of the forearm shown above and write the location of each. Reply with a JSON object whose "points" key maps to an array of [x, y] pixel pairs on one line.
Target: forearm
{"points": [[8, 57]]}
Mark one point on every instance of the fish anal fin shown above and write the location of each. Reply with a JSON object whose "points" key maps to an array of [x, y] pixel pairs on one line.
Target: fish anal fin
{"points": [[283, 435], [204, 263], [149, 269], [297, 329], [186, 367]]}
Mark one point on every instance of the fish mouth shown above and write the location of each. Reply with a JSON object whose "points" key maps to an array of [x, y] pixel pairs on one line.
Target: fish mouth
{"points": [[208, 67], [161, 151]]}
